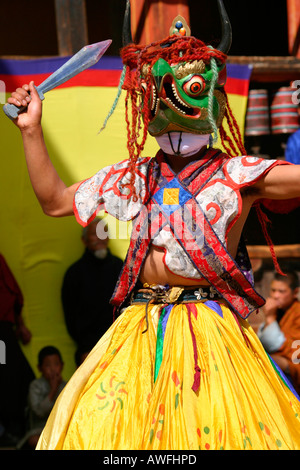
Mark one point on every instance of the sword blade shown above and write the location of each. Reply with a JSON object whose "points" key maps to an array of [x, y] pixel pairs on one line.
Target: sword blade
{"points": [[82, 60]]}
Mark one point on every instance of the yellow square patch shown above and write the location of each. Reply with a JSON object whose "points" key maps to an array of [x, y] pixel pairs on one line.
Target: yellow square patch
{"points": [[171, 196]]}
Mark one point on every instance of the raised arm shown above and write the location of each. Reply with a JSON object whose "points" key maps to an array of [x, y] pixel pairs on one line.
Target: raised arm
{"points": [[281, 182], [55, 198]]}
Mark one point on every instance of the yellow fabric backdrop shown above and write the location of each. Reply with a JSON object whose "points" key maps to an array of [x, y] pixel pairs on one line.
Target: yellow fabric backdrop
{"points": [[38, 248]]}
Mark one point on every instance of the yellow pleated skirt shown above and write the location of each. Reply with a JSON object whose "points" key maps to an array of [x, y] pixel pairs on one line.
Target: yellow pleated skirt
{"points": [[193, 377]]}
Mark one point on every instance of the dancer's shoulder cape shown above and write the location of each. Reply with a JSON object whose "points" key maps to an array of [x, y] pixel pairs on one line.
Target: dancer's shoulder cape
{"points": [[188, 215]]}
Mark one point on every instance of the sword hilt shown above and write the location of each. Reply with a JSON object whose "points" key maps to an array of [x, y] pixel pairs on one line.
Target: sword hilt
{"points": [[12, 111]]}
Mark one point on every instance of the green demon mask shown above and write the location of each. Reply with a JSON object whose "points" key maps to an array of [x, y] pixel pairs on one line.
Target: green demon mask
{"points": [[180, 97], [175, 91], [184, 93]]}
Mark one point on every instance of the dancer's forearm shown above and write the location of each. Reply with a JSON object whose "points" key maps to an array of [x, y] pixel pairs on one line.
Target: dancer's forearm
{"points": [[54, 197]]}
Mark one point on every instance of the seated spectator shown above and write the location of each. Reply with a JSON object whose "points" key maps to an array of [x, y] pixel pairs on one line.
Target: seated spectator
{"points": [[87, 288], [43, 393], [280, 332]]}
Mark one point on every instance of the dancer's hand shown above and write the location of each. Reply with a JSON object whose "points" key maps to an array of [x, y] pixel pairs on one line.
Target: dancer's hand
{"points": [[27, 96]]}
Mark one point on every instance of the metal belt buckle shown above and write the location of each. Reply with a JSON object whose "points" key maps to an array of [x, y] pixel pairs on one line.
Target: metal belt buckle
{"points": [[173, 294], [165, 294]]}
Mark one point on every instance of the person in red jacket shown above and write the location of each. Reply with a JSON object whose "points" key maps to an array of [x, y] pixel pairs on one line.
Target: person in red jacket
{"points": [[15, 372]]}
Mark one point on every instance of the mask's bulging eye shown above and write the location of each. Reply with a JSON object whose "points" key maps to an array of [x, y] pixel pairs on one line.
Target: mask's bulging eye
{"points": [[194, 86]]}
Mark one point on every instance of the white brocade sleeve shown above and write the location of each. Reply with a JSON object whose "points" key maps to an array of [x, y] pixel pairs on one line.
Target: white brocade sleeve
{"points": [[245, 170], [109, 189]]}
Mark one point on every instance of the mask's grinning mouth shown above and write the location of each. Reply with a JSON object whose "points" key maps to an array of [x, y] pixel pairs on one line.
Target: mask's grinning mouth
{"points": [[171, 97], [155, 101], [175, 101]]}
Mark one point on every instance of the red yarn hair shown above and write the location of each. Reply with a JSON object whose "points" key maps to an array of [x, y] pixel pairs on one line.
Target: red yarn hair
{"points": [[174, 49]]}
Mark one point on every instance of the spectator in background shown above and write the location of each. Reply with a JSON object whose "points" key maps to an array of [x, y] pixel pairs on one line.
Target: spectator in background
{"points": [[16, 374], [292, 150], [280, 333], [43, 393], [87, 288]]}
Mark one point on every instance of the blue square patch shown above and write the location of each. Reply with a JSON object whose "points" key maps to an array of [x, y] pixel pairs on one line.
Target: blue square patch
{"points": [[171, 197]]}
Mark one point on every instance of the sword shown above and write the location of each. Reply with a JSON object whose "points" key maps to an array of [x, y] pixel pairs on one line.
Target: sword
{"points": [[83, 59]]}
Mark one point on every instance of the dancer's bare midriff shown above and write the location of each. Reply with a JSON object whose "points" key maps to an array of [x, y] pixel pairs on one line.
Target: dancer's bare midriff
{"points": [[154, 270]]}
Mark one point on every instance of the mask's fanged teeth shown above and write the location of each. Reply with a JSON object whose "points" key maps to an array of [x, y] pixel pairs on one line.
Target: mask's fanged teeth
{"points": [[178, 97], [174, 106], [154, 98], [171, 96]]}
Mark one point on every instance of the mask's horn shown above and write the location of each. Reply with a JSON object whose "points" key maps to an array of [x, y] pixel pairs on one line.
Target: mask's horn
{"points": [[126, 36], [226, 40]]}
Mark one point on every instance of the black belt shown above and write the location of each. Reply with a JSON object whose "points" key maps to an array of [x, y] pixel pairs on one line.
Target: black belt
{"points": [[169, 295]]}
